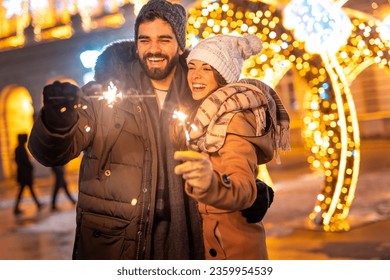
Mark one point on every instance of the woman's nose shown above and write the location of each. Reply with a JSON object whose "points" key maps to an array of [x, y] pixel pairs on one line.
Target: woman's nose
{"points": [[195, 74]]}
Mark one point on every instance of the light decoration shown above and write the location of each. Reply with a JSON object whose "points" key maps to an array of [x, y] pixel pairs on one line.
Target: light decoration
{"points": [[322, 25], [41, 16], [364, 49], [16, 103], [138, 5], [324, 28], [14, 19], [87, 9], [52, 20], [88, 58], [384, 29], [330, 132], [13, 8]]}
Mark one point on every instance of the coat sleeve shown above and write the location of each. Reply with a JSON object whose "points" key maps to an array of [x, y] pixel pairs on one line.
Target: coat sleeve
{"points": [[235, 168], [52, 149]]}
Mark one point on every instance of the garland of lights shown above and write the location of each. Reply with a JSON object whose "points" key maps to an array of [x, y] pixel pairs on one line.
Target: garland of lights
{"points": [[324, 28], [52, 20], [331, 131]]}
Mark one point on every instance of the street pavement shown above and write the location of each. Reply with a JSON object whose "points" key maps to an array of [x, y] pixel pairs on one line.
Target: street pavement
{"points": [[47, 235], [292, 237]]}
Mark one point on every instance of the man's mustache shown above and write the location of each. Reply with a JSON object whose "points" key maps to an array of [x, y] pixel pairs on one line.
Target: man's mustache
{"points": [[155, 55]]}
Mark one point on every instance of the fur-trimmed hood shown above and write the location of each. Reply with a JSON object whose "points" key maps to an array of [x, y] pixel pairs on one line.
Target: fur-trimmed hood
{"points": [[114, 63]]}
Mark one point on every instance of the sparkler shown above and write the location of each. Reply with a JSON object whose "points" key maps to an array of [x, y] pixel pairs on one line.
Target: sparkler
{"points": [[182, 122], [112, 95]]}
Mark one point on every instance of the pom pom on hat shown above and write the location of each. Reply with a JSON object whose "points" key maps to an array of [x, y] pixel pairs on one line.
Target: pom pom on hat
{"points": [[226, 53], [174, 14]]}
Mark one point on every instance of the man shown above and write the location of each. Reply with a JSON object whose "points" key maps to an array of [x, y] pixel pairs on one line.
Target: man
{"points": [[131, 205]]}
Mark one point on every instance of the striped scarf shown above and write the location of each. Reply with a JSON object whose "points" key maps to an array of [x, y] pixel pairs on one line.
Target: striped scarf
{"points": [[216, 111], [279, 116]]}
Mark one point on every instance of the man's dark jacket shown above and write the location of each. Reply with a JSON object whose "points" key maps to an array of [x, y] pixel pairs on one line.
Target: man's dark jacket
{"points": [[127, 164]]}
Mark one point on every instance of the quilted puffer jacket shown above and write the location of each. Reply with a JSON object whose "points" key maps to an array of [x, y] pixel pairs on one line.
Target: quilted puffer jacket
{"points": [[119, 172]]}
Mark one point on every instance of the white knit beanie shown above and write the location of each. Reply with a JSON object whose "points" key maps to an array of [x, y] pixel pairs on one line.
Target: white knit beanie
{"points": [[226, 53]]}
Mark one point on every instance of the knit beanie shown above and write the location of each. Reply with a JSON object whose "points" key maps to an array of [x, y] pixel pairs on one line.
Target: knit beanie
{"points": [[226, 53], [174, 14]]}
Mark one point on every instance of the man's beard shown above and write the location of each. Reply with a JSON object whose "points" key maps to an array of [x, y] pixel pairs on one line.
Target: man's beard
{"points": [[159, 74]]}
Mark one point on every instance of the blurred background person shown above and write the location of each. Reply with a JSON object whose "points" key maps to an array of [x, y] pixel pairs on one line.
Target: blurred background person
{"points": [[60, 182], [25, 176]]}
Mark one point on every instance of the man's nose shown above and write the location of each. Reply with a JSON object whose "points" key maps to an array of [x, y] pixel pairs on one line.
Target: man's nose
{"points": [[155, 47]]}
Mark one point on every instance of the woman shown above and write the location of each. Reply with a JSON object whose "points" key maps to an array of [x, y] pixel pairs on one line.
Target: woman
{"points": [[236, 130]]}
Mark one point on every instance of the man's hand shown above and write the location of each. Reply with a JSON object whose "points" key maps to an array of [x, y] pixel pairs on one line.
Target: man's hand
{"points": [[92, 88], [60, 102], [196, 169]]}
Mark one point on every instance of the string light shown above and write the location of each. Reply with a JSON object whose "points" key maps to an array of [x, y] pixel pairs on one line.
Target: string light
{"points": [[52, 20]]}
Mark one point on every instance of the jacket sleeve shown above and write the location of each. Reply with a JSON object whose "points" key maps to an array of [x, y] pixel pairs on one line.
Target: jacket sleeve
{"points": [[52, 149], [235, 168]]}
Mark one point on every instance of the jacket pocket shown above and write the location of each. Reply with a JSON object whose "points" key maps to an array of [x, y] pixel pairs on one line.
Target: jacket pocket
{"points": [[105, 238], [212, 241]]}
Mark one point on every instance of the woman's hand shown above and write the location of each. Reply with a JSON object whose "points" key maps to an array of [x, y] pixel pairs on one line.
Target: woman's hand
{"points": [[196, 169]]}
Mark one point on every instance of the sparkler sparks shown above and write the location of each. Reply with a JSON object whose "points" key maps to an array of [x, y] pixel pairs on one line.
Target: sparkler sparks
{"points": [[182, 122], [112, 95]]}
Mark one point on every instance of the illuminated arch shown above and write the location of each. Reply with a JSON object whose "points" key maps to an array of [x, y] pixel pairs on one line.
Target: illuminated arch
{"points": [[16, 116], [371, 95]]}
